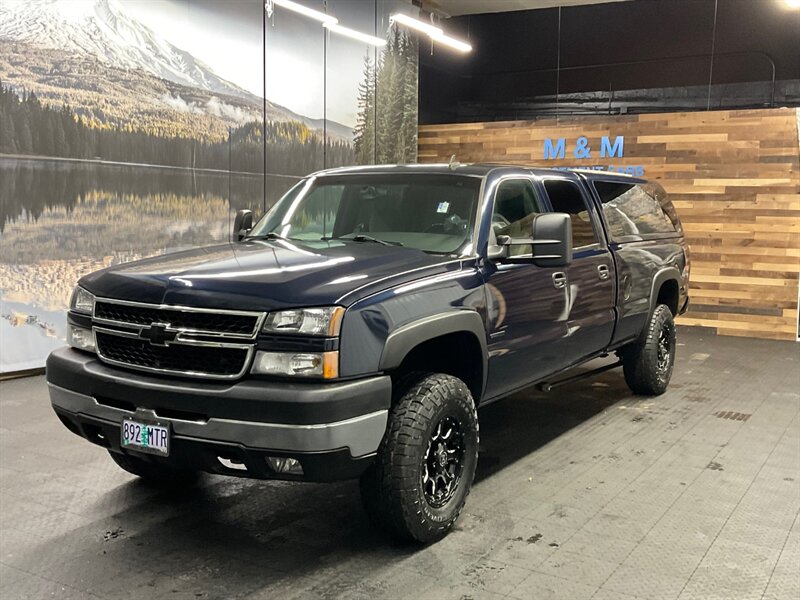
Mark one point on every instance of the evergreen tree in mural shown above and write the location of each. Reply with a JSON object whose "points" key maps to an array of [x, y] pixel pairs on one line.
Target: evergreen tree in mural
{"points": [[386, 130], [364, 138]]}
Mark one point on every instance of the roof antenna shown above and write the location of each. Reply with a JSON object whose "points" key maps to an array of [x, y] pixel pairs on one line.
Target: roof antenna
{"points": [[453, 164]]}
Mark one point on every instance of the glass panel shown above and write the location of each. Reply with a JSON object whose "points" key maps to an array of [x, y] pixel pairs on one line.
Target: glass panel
{"points": [[396, 83], [660, 194], [315, 217], [515, 205], [629, 210], [350, 85], [433, 213], [295, 55], [566, 197]]}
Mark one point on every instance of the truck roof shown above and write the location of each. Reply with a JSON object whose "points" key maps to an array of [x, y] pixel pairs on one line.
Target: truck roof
{"points": [[474, 170]]}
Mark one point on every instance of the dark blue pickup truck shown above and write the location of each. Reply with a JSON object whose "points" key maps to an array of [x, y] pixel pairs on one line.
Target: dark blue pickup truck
{"points": [[356, 327]]}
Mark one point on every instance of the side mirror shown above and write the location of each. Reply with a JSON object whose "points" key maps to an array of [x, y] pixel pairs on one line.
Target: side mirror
{"points": [[500, 252], [242, 224], [552, 240]]}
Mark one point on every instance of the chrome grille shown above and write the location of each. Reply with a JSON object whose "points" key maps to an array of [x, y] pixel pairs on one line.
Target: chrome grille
{"points": [[186, 319], [175, 340], [186, 359]]}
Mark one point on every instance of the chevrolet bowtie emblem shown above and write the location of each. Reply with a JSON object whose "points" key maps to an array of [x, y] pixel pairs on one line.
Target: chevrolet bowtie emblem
{"points": [[158, 335]]}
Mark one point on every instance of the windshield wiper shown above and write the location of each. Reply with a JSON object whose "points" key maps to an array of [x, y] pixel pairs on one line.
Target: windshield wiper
{"points": [[368, 238], [269, 236]]}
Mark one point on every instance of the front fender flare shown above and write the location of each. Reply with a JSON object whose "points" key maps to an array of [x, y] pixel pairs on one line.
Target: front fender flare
{"points": [[405, 338]]}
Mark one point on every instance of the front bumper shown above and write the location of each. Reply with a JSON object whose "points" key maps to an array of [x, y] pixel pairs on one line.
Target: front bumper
{"points": [[333, 429]]}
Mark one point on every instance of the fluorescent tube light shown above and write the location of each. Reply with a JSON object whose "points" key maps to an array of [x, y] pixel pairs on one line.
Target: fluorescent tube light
{"points": [[413, 23], [356, 35], [307, 12], [446, 40], [435, 33]]}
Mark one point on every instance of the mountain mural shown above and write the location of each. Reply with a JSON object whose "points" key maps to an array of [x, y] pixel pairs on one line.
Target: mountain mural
{"points": [[116, 71], [101, 28]]}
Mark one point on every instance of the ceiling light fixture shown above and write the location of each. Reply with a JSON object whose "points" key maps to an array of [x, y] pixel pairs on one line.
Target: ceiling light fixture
{"points": [[793, 3], [453, 43], [356, 35], [305, 11], [435, 33], [413, 23]]}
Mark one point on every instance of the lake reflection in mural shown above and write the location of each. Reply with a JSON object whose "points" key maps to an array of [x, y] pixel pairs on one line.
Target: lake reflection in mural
{"points": [[60, 220]]}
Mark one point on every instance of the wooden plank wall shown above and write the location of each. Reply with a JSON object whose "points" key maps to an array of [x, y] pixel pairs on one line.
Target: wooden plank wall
{"points": [[733, 176]]}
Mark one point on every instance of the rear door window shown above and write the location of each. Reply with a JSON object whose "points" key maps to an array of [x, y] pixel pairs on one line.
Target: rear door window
{"points": [[635, 211], [566, 197]]}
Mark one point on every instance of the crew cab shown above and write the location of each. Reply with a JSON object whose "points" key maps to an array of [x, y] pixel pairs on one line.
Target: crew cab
{"points": [[355, 328]]}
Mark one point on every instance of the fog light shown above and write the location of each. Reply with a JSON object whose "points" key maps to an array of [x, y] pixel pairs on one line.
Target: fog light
{"points": [[286, 466], [80, 338]]}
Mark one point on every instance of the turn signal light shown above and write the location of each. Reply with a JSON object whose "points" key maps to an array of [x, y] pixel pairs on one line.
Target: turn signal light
{"points": [[300, 364]]}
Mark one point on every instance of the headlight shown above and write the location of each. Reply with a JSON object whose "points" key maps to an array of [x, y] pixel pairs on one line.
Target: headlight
{"points": [[80, 338], [306, 321], [82, 301], [303, 364]]}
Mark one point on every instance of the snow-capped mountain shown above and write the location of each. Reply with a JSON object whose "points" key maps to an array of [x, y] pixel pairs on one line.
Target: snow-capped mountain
{"points": [[102, 29]]}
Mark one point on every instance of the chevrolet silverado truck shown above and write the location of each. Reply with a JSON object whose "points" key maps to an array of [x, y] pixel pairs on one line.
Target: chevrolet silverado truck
{"points": [[353, 330]]}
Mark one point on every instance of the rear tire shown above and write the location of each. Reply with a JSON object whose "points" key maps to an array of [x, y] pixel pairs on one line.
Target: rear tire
{"points": [[425, 465], [154, 473], [648, 362]]}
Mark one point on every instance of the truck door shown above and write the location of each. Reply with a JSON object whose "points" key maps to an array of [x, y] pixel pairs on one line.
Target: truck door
{"points": [[591, 279], [526, 316]]}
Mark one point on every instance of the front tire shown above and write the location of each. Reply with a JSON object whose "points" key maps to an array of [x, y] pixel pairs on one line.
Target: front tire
{"points": [[425, 465], [648, 362], [154, 473]]}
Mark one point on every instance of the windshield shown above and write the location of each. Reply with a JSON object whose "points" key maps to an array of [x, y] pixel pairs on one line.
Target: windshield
{"points": [[433, 213]]}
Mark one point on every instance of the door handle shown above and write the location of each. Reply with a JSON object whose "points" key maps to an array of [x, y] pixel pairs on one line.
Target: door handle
{"points": [[602, 271], [560, 280]]}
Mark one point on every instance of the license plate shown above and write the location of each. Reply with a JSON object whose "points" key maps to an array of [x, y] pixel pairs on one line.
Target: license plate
{"points": [[145, 437]]}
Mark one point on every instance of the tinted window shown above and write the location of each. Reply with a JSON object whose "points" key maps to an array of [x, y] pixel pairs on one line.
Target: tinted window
{"points": [[566, 197], [632, 210], [434, 213], [515, 205], [660, 194]]}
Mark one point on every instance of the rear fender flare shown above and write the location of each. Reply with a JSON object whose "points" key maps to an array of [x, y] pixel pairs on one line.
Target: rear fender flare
{"points": [[661, 277]]}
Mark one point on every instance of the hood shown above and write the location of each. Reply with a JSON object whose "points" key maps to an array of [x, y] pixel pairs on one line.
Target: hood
{"points": [[266, 275]]}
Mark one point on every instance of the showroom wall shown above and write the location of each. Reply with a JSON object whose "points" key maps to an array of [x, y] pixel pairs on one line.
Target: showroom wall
{"points": [[129, 128], [688, 92], [734, 177], [616, 58]]}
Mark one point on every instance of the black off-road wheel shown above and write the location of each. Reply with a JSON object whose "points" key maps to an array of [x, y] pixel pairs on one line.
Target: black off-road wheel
{"points": [[153, 473], [648, 362], [424, 468]]}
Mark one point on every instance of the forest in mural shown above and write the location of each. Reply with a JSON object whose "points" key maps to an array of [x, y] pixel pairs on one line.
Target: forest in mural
{"points": [[29, 127], [123, 136], [386, 131]]}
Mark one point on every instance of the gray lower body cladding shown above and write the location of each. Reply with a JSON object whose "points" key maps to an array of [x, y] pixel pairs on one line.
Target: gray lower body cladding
{"points": [[335, 429]]}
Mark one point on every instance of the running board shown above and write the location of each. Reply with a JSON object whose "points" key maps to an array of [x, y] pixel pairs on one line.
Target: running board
{"points": [[547, 386]]}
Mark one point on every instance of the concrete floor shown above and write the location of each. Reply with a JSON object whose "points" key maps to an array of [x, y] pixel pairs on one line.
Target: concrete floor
{"points": [[586, 492]]}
